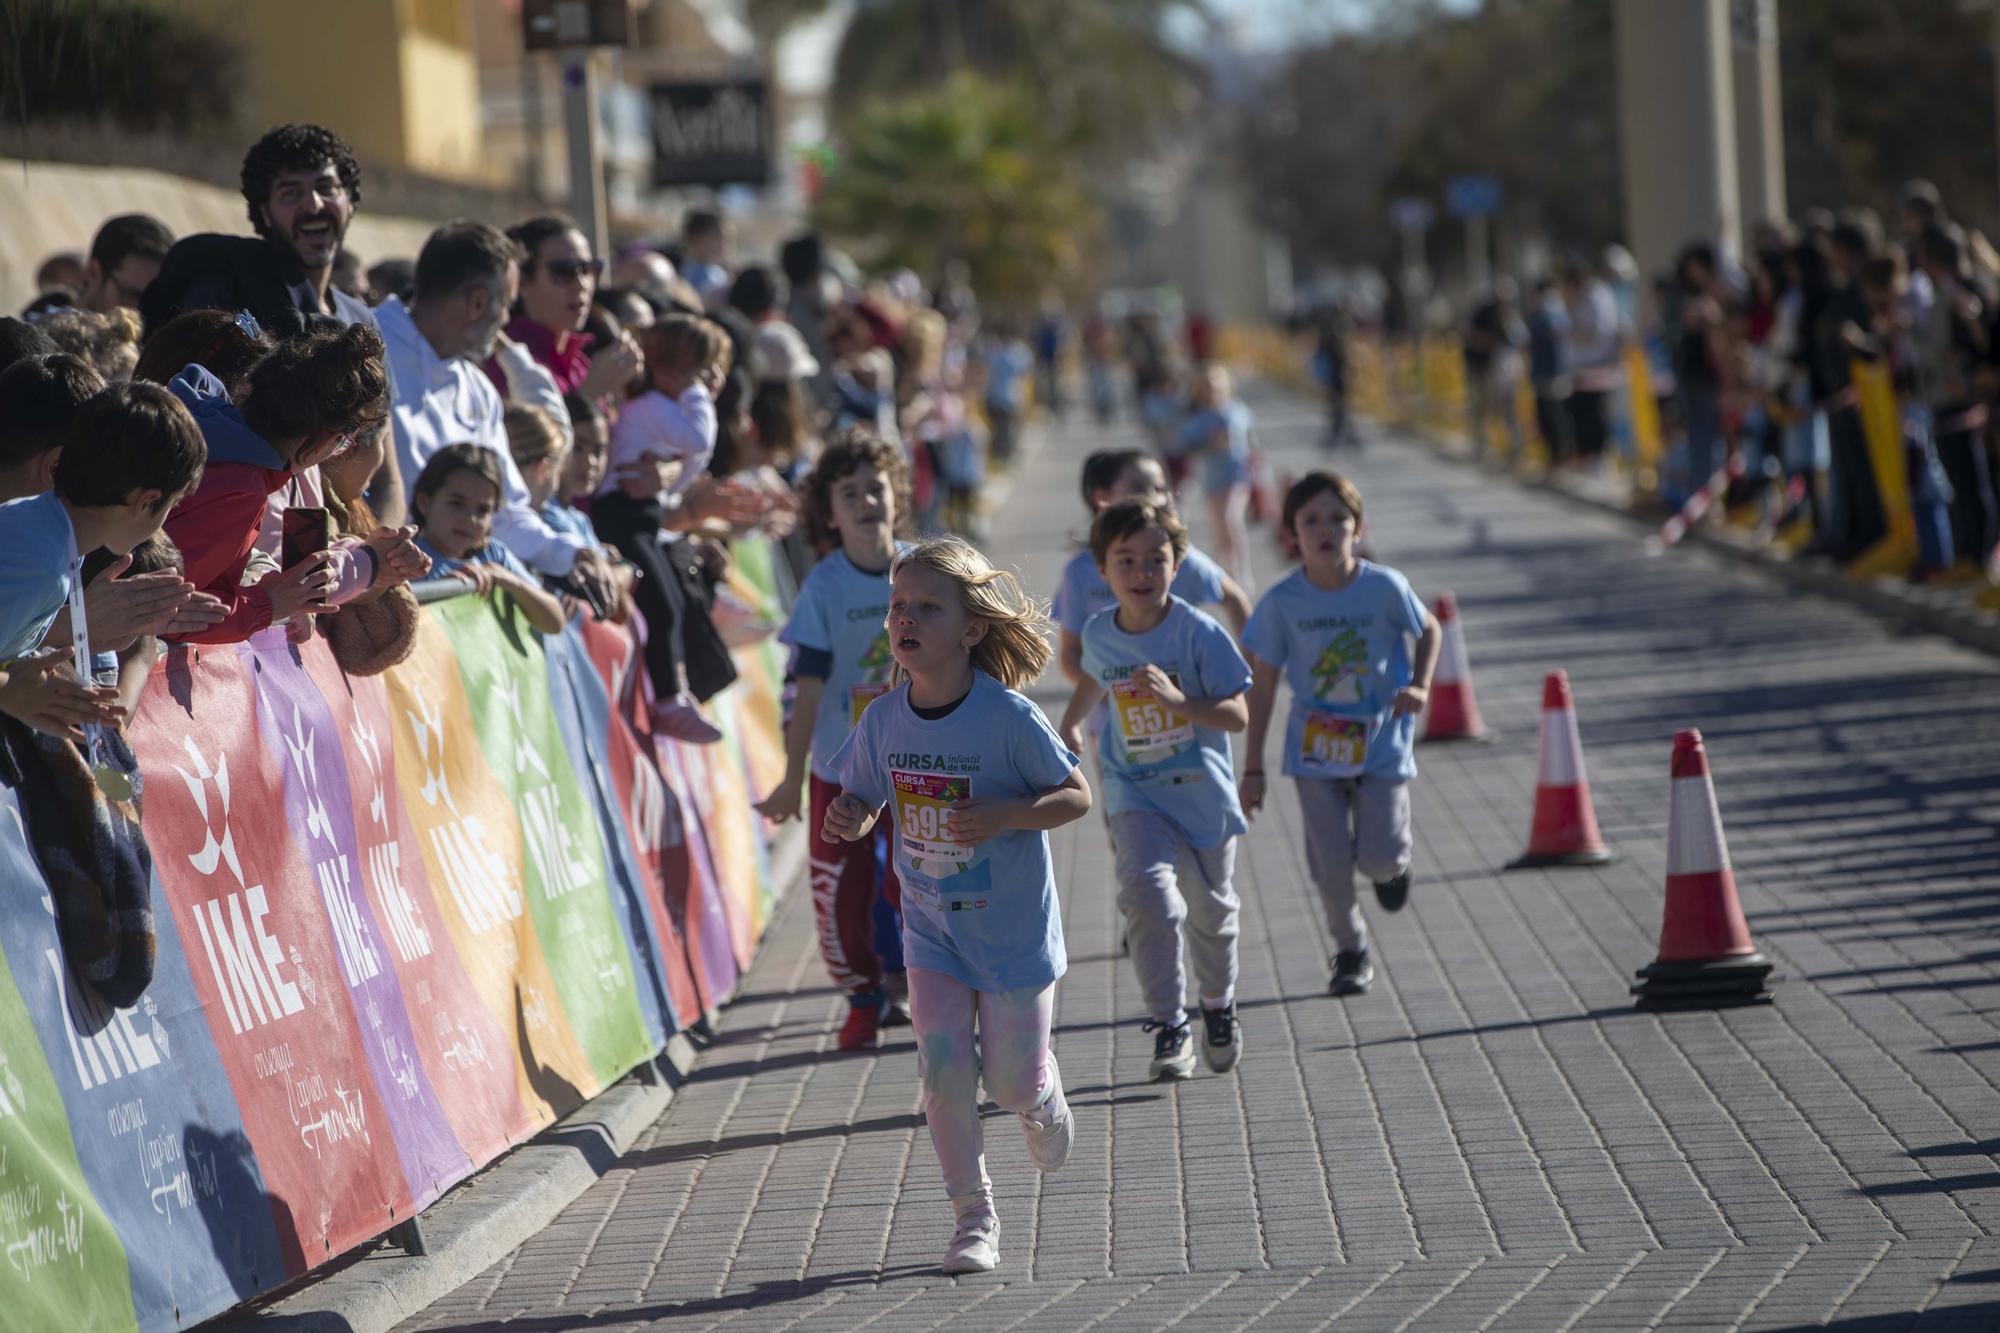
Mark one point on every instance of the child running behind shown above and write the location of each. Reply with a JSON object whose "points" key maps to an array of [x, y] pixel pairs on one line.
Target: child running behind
{"points": [[1111, 475], [857, 495], [1217, 431], [453, 502], [1338, 628], [1177, 684], [976, 778]]}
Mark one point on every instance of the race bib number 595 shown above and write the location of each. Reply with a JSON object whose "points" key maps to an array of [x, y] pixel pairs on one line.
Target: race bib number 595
{"points": [[923, 800]]}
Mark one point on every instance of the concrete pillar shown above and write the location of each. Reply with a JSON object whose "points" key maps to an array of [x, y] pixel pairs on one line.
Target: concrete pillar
{"points": [[1676, 127], [1760, 122]]}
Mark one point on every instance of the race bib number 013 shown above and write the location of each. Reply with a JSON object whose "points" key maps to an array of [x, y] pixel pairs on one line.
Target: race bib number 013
{"points": [[1333, 746], [1149, 729], [922, 802], [860, 696]]}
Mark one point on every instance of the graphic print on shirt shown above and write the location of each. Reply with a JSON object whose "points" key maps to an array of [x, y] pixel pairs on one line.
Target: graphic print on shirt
{"points": [[874, 682], [1334, 740]]}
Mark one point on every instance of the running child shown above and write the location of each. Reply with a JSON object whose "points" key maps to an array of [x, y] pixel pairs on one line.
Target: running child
{"points": [[1338, 628], [453, 503], [1217, 431], [1111, 475], [855, 499], [1177, 685], [976, 777]]}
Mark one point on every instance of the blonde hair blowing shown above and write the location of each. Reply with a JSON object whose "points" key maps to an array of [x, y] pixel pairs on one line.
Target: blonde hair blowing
{"points": [[1015, 650]]}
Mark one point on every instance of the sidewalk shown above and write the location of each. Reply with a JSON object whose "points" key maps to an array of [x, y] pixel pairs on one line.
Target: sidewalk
{"points": [[1492, 1138]]}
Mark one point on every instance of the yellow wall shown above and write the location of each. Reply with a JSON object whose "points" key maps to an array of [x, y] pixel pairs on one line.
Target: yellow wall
{"points": [[395, 78]]}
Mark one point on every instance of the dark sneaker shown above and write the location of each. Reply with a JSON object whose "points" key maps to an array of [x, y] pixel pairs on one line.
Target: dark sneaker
{"points": [[897, 1014], [863, 1029], [1352, 971], [1393, 893], [1223, 1038], [1173, 1051]]}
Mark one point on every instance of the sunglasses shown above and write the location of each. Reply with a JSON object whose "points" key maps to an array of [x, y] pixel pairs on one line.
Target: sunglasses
{"points": [[566, 270]]}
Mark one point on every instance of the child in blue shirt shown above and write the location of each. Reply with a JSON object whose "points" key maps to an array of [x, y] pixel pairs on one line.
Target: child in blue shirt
{"points": [[1176, 683], [1217, 431], [453, 503], [131, 452], [1111, 475], [975, 777], [1338, 628], [858, 493]]}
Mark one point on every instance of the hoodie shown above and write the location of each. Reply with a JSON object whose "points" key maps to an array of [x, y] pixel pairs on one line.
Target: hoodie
{"points": [[216, 526]]}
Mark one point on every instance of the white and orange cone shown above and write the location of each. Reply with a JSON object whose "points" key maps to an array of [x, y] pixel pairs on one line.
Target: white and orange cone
{"points": [[1453, 713], [1565, 829], [1707, 959]]}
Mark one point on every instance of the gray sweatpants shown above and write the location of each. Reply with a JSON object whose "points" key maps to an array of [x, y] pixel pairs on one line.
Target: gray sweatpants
{"points": [[1353, 824], [1168, 889]]}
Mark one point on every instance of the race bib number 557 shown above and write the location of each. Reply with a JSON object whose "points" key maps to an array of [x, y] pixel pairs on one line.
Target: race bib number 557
{"points": [[1149, 729], [923, 800]]}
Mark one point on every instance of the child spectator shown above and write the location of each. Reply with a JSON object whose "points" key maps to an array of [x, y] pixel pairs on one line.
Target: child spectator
{"points": [[1337, 628], [1217, 431], [130, 454], [856, 498], [301, 405], [454, 501], [39, 399], [224, 345], [975, 778], [1176, 682], [686, 360], [108, 343]]}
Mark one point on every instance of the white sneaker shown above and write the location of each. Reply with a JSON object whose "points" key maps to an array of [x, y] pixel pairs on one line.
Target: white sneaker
{"points": [[975, 1246], [1049, 1129], [1173, 1051]]}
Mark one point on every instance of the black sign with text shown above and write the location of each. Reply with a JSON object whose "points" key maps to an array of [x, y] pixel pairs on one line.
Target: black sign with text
{"points": [[712, 132]]}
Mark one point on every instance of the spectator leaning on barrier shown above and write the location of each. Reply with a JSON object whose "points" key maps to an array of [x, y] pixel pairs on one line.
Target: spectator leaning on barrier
{"points": [[1951, 346], [301, 185], [467, 276], [125, 257], [300, 406], [558, 277]]}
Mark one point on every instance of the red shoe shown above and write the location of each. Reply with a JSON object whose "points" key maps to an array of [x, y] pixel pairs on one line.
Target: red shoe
{"points": [[862, 1030]]}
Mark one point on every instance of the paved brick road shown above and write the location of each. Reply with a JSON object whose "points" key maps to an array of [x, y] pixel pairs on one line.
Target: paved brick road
{"points": [[1492, 1138]]}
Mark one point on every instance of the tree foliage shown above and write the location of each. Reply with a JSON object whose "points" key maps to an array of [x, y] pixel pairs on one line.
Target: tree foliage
{"points": [[964, 172]]}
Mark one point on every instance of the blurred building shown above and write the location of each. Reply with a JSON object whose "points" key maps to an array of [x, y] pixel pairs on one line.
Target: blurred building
{"points": [[399, 78]]}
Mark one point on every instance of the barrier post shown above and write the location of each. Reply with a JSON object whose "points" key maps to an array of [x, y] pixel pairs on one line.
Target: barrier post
{"points": [[1646, 445], [1897, 551]]}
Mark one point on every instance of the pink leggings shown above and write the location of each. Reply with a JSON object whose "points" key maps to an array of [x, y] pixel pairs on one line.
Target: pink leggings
{"points": [[1010, 1051]]}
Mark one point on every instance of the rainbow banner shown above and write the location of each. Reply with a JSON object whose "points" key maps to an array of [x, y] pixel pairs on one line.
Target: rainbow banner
{"points": [[404, 922]]}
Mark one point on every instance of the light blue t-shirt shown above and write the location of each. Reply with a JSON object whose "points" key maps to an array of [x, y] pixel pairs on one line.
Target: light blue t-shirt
{"points": [[1220, 468], [35, 534], [986, 915], [840, 612], [1345, 655], [495, 552], [570, 521], [1160, 761], [1083, 591]]}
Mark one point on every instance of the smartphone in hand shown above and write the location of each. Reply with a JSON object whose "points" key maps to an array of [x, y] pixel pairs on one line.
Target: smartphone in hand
{"points": [[307, 530]]}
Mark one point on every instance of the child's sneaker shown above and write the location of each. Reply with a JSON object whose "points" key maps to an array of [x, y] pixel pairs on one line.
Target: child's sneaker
{"points": [[1049, 1129], [862, 1030], [1173, 1051], [975, 1245], [1351, 972], [1224, 1033], [1393, 893], [681, 718]]}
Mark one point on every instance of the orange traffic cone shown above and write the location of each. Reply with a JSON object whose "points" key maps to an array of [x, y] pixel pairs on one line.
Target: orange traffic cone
{"points": [[1453, 714], [1565, 828], [1706, 957]]}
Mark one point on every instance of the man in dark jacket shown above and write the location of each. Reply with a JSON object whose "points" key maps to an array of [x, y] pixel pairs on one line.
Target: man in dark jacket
{"points": [[301, 185]]}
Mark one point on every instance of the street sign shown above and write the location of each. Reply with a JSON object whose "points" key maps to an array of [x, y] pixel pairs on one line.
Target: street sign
{"points": [[550, 25], [1472, 196], [1412, 213], [712, 132]]}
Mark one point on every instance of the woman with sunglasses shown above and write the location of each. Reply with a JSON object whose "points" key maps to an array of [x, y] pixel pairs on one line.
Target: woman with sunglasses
{"points": [[558, 279]]}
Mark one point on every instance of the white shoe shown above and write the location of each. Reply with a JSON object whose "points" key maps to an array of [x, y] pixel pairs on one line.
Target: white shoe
{"points": [[975, 1246], [1049, 1129], [1173, 1051]]}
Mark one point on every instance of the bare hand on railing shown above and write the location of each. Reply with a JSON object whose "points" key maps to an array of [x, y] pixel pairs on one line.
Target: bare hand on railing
{"points": [[303, 587], [479, 574], [36, 691], [398, 559]]}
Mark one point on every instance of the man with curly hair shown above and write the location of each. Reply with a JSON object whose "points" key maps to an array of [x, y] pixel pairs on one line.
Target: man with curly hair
{"points": [[301, 185]]}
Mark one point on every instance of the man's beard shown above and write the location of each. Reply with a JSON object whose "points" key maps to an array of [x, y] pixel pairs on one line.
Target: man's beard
{"points": [[481, 337]]}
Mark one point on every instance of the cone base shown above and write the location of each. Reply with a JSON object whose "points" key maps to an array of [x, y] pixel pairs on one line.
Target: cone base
{"points": [[1718, 983], [1599, 856]]}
